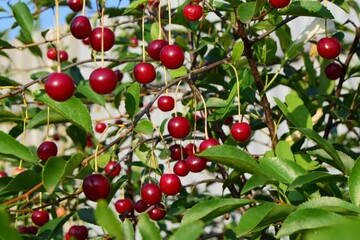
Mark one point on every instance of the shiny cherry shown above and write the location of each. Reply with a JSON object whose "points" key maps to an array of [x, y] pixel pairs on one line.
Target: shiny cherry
{"points": [[329, 47], [172, 56], [119, 75], [190, 149], [241, 131], [96, 186], [100, 127], [60, 86], [192, 12], [103, 80], [158, 212], [179, 127], [144, 73], [333, 71], [51, 53], [78, 232], [208, 143], [40, 217], [75, 5], [166, 103], [112, 169], [63, 55], [170, 184], [279, 3], [176, 151], [95, 39], [134, 42], [46, 150], [195, 164], [151, 194], [124, 206], [180, 168], [140, 206], [155, 47], [80, 27]]}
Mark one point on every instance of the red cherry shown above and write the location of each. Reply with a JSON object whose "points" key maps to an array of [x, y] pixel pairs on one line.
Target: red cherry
{"points": [[96, 187], [124, 206], [28, 229], [153, 2], [140, 206], [80, 27], [329, 47], [119, 75], [228, 121], [170, 184], [86, 41], [208, 143], [63, 56], [158, 212], [134, 42], [279, 3], [176, 151], [144, 73], [3, 174], [95, 39], [46, 150], [103, 80], [193, 12], [40, 217], [195, 164], [100, 127], [179, 127], [60, 86], [51, 54], [151, 194], [241, 131], [333, 71], [190, 149], [155, 47], [17, 171], [180, 168], [89, 143], [75, 5], [112, 169], [78, 232], [172, 56], [166, 103]]}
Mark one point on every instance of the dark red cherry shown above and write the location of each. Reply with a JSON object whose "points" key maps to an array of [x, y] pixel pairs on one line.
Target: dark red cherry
{"points": [[177, 152], [60, 86], [208, 143], [75, 5], [333, 71], [112, 169], [151, 194], [78, 232], [158, 212], [46, 150], [170, 184], [179, 127], [195, 164], [279, 3], [134, 42], [3, 174], [172, 56], [100, 127], [140, 206], [95, 39], [124, 206], [180, 168], [86, 41], [80, 27], [51, 54], [166, 103], [103, 80], [155, 47], [28, 230], [144, 73], [63, 56], [119, 75], [192, 12], [40, 217], [228, 121], [96, 186], [241, 131], [329, 47], [190, 149]]}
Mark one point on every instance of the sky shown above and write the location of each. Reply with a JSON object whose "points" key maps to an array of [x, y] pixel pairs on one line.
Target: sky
{"points": [[47, 18]]}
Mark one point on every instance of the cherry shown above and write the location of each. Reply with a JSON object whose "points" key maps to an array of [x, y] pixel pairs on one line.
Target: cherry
{"points": [[96, 187], [228, 121], [144, 73], [153, 2], [190, 149], [180, 168], [140, 206], [124, 206], [155, 47], [329, 47], [179, 127], [103, 80], [170, 184], [279, 3], [75, 5], [63, 56], [241, 131], [78, 232], [3, 174], [28, 229], [95, 39], [333, 71], [166, 103], [134, 42], [119, 75], [86, 41], [80, 27], [195, 164], [59, 86], [193, 12], [158, 212], [176, 151], [208, 143], [17, 171], [51, 54], [151, 194], [46, 150], [100, 127], [172, 56], [112, 169], [40, 217], [89, 143]]}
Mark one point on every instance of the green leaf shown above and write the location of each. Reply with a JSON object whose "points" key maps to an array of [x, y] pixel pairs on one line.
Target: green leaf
{"points": [[132, 100], [23, 182], [144, 127], [84, 88], [306, 8], [77, 135], [6, 116], [53, 172], [107, 220], [73, 163], [128, 229], [354, 183], [10, 146], [314, 177], [22, 14], [237, 50], [134, 5], [48, 230], [41, 119], [332, 204], [282, 170], [343, 4], [4, 44], [188, 231], [253, 182], [283, 150], [87, 215], [80, 117], [154, 31], [147, 228], [233, 157], [179, 72], [246, 11], [7, 231], [210, 209]]}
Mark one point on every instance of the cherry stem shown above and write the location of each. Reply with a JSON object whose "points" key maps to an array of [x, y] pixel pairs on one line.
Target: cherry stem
{"points": [[195, 124], [205, 115], [238, 90], [102, 35], [169, 12], [166, 82], [159, 20], [143, 36], [48, 124], [96, 158], [83, 8], [57, 22], [176, 92]]}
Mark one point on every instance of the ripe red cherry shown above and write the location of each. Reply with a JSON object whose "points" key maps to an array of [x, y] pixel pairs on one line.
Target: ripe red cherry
{"points": [[166, 103], [192, 12], [228, 121], [103, 80], [46, 150], [172, 56], [28, 229], [151, 194], [78, 232], [179, 127], [75, 5], [51, 54], [176, 150], [86, 41], [329, 47], [155, 47], [190, 149], [140, 206], [95, 39], [158, 212], [100, 127], [180, 168], [119, 75], [144, 73], [124, 206], [170, 184], [279, 3], [208, 143], [241, 131], [40, 217], [80, 27], [134, 42], [112, 169], [3, 174], [59, 86], [96, 187], [63, 56], [195, 164], [333, 71]]}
